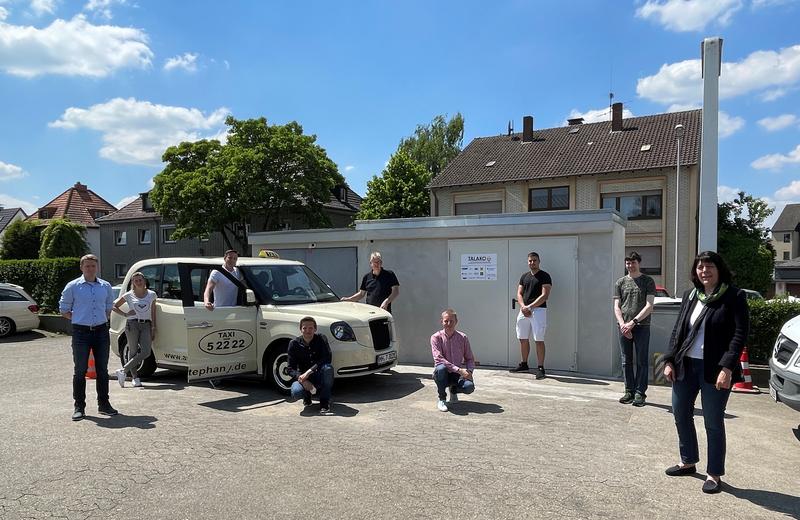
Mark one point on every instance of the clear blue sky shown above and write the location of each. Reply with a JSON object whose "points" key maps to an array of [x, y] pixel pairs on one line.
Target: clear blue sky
{"points": [[93, 91]]}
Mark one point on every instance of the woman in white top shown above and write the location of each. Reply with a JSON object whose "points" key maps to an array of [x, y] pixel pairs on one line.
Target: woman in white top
{"points": [[140, 329]]}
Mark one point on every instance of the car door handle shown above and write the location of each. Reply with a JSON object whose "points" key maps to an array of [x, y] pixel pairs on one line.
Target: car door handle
{"points": [[202, 325]]}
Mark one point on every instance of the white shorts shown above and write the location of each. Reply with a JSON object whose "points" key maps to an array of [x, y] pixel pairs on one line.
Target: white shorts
{"points": [[536, 325]]}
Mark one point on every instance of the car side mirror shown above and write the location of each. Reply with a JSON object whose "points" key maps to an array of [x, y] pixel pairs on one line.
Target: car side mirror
{"points": [[250, 296]]}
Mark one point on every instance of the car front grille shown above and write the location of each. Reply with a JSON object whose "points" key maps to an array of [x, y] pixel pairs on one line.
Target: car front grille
{"points": [[784, 350], [381, 330]]}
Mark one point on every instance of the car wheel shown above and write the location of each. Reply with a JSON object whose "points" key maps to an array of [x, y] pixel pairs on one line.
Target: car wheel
{"points": [[6, 327], [276, 368], [146, 367]]}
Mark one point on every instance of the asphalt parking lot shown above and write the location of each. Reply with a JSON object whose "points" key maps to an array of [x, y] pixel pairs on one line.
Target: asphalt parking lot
{"points": [[516, 448]]}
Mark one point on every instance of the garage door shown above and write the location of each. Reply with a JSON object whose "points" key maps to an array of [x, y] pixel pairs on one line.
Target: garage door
{"points": [[335, 265]]}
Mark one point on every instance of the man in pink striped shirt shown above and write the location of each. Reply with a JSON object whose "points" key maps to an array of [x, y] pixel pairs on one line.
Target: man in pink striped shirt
{"points": [[453, 361]]}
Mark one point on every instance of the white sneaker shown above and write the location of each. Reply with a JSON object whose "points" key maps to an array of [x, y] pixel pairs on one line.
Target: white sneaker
{"points": [[453, 397], [137, 382], [441, 406], [121, 377]]}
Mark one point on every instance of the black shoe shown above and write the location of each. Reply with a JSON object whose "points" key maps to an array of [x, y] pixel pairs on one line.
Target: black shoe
{"points": [[540, 373], [325, 408], [306, 401], [711, 486], [106, 409], [678, 471], [638, 400], [522, 367], [78, 414], [627, 398]]}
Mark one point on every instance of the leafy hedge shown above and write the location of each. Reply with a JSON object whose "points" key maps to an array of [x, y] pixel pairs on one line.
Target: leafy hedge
{"points": [[42, 279], [766, 320]]}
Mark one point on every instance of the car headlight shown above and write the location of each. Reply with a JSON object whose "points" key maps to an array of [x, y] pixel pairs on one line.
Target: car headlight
{"points": [[342, 331]]}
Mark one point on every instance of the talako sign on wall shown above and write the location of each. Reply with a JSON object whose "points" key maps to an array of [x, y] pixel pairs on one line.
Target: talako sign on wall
{"points": [[479, 266]]}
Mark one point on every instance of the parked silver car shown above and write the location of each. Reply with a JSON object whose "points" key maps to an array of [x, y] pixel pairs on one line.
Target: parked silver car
{"points": [[18, 311]]}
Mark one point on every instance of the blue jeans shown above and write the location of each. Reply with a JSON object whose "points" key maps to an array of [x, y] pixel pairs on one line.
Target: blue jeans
{"points": [[684, 394], [446, 379], [98, 342], [636, 382], [322, 379]]}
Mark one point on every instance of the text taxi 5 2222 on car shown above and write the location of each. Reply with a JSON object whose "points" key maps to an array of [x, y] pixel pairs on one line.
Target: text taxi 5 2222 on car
{"points": [[253, 336]]}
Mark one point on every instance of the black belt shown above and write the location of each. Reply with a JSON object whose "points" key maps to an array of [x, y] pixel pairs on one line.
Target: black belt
{"points": [[137, 320], [89, 328]]}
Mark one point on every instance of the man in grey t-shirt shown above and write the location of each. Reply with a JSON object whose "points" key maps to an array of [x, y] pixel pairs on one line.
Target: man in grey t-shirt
{"points": [[634, 295], [226, 293]]}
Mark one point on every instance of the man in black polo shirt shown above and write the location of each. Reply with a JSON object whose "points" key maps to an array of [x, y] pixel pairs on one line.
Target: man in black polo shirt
{"points": [[379, 285], [310, 364], [532, 293]]}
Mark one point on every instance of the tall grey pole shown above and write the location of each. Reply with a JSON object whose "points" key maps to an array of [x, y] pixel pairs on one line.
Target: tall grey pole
{"points": [[678, 136], [709, 147]]}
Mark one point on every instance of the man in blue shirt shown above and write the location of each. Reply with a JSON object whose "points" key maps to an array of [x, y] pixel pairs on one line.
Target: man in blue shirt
{"points": [[87, 301]]}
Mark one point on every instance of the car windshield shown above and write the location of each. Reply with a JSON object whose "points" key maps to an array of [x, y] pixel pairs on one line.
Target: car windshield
{"points": [[288, 284]]}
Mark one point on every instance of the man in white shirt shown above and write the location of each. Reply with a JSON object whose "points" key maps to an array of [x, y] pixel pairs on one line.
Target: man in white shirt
{"points": [[226, 293]]}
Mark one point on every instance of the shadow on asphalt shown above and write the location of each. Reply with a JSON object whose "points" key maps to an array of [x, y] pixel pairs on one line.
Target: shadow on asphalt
{"points": [[337, 410], [796, 432], [468, 407], [23, 337], [577, 380], [143, 422], [697, 411], [772, 500], [384, 386]]}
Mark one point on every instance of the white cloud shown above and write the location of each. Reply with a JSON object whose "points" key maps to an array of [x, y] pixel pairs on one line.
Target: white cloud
{"points": [[598, 115], [773, 124], [349, 167], [124, 201], [790, 192], [728, 124], [151, 183], [102, 8], [726, 193], [72, 48], [689, 15], [786, 195], [138, 132], [772, 95], [11, 171], [760, 71], [777, 161], [7, 201], [42, 7], [187, 61], [3, 13]]}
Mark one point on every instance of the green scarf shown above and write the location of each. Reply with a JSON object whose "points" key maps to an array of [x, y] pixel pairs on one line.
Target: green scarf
{"points": [[716, 295]]}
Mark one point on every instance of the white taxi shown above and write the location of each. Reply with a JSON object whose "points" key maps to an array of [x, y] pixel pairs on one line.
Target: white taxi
{"points": [[253, 336]]}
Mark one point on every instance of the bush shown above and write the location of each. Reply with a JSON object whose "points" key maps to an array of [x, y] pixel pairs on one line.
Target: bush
{"points": [[62, 238], [21, 240], [42, 279], [766, 319]]}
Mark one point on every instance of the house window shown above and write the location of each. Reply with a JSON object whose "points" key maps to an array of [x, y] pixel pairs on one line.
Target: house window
{"points": [[99, 213], [166, 235], [144, 236], [787, 238], [786, 255], [479, 208], [120, 270], [651, 258], [635, 205], [546, 199], [120, 238], [46, 213]]}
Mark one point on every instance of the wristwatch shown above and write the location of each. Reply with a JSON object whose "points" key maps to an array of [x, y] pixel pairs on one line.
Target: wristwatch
{"points": [[635, 321]]}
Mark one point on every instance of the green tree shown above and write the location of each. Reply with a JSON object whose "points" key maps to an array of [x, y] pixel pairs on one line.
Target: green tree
{"points": [[264, 173], [400, 191], [744, 241], [21, 240], [436, 144], [62, 238]]}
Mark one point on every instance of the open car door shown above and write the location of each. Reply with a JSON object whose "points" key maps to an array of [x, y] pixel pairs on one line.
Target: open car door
{"points": [[221, 342]]}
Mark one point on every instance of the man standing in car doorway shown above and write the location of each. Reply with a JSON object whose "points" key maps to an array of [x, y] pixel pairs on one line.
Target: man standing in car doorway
{"points": [[532, 293]]}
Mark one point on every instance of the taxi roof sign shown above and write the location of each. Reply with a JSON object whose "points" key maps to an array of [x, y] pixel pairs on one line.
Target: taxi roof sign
{"points": [[267, 253]]}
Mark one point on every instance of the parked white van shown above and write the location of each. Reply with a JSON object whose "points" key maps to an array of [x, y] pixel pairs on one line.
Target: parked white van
{"points": [[253, 336]]}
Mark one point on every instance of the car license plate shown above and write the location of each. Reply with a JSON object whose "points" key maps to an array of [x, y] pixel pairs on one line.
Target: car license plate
{"points": [[773, 394], [382, 359]]}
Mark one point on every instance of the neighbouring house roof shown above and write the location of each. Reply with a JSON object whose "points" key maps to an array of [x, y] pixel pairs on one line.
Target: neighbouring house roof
{"points": [[789, 219], [78, 204], [580, 149], [787, 270], [342, 199], [7, 216]]}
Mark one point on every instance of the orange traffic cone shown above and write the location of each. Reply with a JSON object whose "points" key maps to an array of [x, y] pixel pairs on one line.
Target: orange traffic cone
{"points": [[747, 385], [91, 372]]}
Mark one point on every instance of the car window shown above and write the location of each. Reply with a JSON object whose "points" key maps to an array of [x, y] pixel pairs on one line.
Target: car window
{"points": [[199, 277], [152, 273], [10, 295], [288, 284], [171, 285]]}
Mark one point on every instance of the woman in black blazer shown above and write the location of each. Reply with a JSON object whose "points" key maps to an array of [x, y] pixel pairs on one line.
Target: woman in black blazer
{"points": [[703, 357]]}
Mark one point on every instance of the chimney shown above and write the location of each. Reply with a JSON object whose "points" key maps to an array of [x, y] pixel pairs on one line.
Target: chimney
{"points": [[80, 187], [616, 117], [576, 121], [527, 129]]}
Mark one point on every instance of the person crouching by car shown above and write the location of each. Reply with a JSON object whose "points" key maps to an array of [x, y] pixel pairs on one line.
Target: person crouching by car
{"points": [[310, 364]]}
